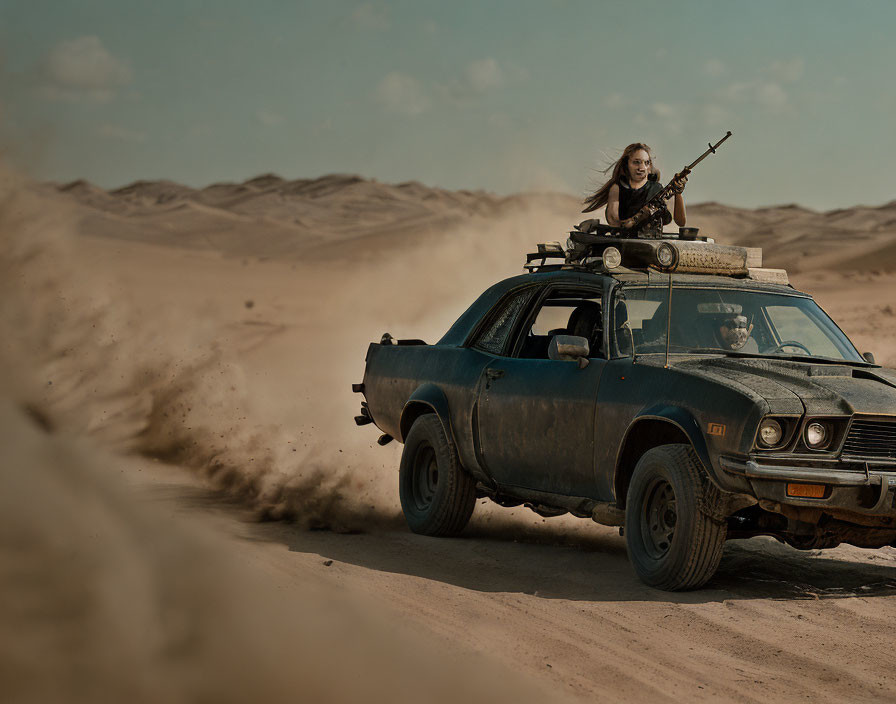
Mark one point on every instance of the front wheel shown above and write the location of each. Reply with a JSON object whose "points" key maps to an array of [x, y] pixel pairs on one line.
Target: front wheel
{"points": [[437, 495], [672, 544]]}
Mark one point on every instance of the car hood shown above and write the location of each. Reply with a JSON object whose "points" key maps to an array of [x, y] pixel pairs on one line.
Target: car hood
{"points": [[796, 387]]}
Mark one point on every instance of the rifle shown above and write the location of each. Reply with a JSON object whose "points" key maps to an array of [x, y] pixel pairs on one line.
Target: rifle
{"points": [[656, 205]]}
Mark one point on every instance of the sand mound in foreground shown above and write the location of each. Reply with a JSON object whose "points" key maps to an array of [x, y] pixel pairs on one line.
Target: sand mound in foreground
{"points": [[104, 597]]}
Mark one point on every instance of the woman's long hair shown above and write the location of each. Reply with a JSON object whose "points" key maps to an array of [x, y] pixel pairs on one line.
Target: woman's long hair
{"points": [[620, 173]]}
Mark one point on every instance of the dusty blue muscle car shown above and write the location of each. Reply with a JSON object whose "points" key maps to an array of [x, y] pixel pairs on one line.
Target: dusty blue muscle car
{"points": [[683, 398]]}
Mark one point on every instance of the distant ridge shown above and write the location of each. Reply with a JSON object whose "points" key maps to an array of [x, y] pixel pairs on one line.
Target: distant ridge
{"points": [[333, 201], [270, 213]]}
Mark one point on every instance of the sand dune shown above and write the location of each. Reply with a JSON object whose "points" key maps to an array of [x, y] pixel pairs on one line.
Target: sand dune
{"points": [[176, 362], [289, 217]]}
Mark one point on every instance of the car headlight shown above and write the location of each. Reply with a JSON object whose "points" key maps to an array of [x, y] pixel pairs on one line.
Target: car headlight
{"points": [[817, 436], [770, 433]]}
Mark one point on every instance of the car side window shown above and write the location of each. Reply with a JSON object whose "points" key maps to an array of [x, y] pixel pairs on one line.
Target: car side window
{"points": [[493, 338], [564, 312]]}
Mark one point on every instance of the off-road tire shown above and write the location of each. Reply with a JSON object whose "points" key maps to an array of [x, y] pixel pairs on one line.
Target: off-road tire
{"points": [[672, 543], [437, 495]]}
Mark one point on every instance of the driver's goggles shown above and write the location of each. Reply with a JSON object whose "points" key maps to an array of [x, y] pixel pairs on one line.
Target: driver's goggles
{"points": [[735, 323]]}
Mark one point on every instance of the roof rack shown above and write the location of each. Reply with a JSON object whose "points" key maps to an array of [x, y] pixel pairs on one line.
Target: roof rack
{"points": [[596, 247], [595, 227], [546, 250]]}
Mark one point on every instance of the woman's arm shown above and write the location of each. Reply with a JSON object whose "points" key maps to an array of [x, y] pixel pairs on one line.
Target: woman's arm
{"points": [[613, 206], [679, 214]]}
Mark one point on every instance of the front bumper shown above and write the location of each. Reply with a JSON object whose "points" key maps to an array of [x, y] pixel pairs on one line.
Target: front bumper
{"points": [[869, 490]]}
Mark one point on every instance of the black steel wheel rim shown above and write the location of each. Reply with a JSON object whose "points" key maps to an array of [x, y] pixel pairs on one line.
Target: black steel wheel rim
{"points": [[658, 518], [425, 477]]}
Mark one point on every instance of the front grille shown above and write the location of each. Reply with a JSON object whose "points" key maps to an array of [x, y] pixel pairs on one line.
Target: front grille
{"points": [[871, 438]]}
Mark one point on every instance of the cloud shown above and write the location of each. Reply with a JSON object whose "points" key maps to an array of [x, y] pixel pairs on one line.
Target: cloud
{"points": [[402, 94], [479, 79], [515, 73], [787, 71], [323, 127], [714, 68], [664, 110], [500, 120], [769, 94], [371, 17], [715, 114], [83, 69], [616, 101], [202, 130], [122, 134], [769, 90], [269, 118], [665, 116], [483, 75]]}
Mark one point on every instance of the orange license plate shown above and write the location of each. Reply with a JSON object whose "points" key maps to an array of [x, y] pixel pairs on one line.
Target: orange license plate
{"points": [[808, 491]]}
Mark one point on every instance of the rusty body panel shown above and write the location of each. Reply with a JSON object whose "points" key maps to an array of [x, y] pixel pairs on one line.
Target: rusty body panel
{"points": [[538, 414], [569, 436]]}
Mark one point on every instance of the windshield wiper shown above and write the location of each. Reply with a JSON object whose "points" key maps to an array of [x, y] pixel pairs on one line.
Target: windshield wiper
{"points": [[727, 353], [751, 355], [816, 360], [785, 357]]}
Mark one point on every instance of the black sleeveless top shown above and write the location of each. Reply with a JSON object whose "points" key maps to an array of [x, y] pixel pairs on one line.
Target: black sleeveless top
{"points": [[631, 200]]}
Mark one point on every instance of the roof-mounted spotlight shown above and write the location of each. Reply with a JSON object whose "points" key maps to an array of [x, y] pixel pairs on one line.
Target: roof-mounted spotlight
{"points": [[666, 256], [612, 258]]}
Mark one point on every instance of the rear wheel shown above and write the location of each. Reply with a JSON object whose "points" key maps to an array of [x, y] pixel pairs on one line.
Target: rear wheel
{"points": [[437, 495], [672, 544]]}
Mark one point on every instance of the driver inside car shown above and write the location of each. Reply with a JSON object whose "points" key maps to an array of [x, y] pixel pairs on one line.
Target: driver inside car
{"points": [[732, 329], [733, 333]]}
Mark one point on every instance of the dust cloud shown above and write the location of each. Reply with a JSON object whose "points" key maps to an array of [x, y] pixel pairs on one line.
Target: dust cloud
{"points": [[88, 364], [109, 598], [143, 377]]}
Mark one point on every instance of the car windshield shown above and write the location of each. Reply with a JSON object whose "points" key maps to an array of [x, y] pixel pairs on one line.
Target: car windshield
{"points": [[729, 321]]}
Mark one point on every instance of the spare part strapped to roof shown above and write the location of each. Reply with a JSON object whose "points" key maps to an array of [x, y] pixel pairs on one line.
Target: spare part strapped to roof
{"points": [[593, 246], [668, 255]]}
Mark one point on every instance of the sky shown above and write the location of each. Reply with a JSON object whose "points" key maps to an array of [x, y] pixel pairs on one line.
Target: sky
{"points": [[497, 95]]}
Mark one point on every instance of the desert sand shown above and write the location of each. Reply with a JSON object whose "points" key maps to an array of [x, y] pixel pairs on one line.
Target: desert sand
{"points": [[189, 513]]}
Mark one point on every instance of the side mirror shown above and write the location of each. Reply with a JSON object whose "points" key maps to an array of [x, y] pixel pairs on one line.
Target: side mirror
{"points": [[569, 348], [868, 357]]}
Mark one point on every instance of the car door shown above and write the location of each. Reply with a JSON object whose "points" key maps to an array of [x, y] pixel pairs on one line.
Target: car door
{"points": [[536, 415]]}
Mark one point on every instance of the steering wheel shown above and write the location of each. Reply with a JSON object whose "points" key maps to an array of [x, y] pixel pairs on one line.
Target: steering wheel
{"points": [[790, 343]]}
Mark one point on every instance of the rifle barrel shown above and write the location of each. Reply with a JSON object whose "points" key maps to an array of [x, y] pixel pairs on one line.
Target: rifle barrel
{"points": [[711, 150], [656, 203]]}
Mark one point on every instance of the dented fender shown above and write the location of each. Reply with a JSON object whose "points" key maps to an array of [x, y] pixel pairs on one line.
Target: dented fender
{"points": [[427, 398], [685, 422]]}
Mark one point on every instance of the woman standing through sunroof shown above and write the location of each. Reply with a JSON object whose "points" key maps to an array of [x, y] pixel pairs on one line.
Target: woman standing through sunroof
{"points": [[634, 181]]}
